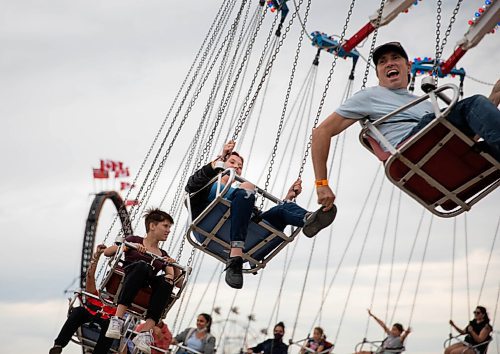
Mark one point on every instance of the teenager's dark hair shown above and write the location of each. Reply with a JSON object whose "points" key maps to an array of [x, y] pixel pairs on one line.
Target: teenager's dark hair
{"points": [[279, 324], [155, 216], [236, 154], [207, 318], [399, 326]]}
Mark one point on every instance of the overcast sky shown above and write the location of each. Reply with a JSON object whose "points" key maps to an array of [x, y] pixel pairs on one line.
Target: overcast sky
{"points": [[88, 80]]}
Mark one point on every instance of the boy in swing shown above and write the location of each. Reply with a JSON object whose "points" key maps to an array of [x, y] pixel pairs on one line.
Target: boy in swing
{"points": [[242, 200]]}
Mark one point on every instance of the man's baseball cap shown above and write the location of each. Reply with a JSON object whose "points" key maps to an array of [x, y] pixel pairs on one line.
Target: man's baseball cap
{"points": [[388, 47]]}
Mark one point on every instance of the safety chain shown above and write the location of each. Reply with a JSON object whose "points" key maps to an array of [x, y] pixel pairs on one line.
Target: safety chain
{"points": [[374, 40], [134, 211], [287, 97], [213, 93], [327, 86], [181, 124], [444, 41], [218, 18], [241, 119], [175, 203], [438, 40], [233, 86], [246, 107]]}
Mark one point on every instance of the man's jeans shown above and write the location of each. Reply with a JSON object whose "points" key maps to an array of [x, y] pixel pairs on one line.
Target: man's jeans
{"points": [[472, 115], [242, 204]]}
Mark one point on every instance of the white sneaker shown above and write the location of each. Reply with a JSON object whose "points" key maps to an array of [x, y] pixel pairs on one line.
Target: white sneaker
{"points": [[115, 328], [143, 342]]}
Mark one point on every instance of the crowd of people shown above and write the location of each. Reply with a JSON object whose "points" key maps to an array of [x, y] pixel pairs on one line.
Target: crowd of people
{"points": [[476, 116]]}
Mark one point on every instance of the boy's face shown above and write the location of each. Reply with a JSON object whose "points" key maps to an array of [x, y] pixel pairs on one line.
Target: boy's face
{"points": [[234, 162], [161, 230]]}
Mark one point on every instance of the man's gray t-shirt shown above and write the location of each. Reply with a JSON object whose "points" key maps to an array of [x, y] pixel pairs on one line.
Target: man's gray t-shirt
{"points": [[375, 102]]}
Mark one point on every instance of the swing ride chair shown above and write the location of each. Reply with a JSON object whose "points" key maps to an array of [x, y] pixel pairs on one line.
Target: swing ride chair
{"points": [[88, 334], [184, 349], [376, 347], [302, 344], [113, 282], [440, 167], [210, 231], [456, 339]]}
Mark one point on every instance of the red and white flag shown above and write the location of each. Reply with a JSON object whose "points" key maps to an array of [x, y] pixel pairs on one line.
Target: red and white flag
{"points": [[110, 165], [122, 172], [100, 174], [131, 202], [126, 185]]}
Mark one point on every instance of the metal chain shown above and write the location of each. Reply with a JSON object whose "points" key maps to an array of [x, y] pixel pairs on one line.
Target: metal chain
{"points": [[438, 40], [444, 41], [181, 124], [327, 86], [287, 97], [233, 86], [372, 46], [242, 119], [217, 20]]}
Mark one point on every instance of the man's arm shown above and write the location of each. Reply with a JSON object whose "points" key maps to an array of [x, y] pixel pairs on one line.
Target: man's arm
{"points": [[333, 125]]}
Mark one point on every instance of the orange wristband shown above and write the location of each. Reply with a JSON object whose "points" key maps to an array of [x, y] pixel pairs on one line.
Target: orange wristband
{"points": [[321, 182]]}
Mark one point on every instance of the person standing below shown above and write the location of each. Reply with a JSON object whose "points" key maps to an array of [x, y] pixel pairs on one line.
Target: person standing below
{"points": [[272, 345], [92, 311], [477, 334], [475, 115], [198, 339], [140, 273]]}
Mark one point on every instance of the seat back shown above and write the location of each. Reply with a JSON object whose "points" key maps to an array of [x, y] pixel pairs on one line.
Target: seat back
{"points": [[211, 231], [442, 170]]}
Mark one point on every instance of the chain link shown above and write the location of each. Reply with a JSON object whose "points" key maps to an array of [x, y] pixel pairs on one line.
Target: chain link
{"points": [[439, 49], [438, 40], [327, 86], [287, 96], [374, 41], [181, 124], [217, 20]]}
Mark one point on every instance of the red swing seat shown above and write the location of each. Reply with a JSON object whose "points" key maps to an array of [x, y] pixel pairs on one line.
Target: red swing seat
{"points": [[440, 167]]}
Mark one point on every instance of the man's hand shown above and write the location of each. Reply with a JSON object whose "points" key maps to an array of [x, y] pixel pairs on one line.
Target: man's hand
{"points": [[228, 149], [325, 197], [294, 190]]}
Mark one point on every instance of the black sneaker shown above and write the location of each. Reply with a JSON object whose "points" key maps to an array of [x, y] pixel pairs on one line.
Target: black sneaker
{"points": [[318, 220], [56, 349], [234, 275]]}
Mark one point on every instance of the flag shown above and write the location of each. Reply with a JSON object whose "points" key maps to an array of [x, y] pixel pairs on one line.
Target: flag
{"points": [[126, 185], [131, 202], [122, 172], [100, 174], [110, 165]]}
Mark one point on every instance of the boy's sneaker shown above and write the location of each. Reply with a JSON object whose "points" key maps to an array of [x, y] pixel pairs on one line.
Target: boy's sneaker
{"points": [[56, 349], [234, 275], [115, 328], [143, 342], [318, 220]]}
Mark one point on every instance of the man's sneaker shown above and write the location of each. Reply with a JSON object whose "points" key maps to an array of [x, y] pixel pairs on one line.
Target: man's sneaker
{"points": [[56, 349], [115, 328], [318, 220], [143, 342], [234, 275]]}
